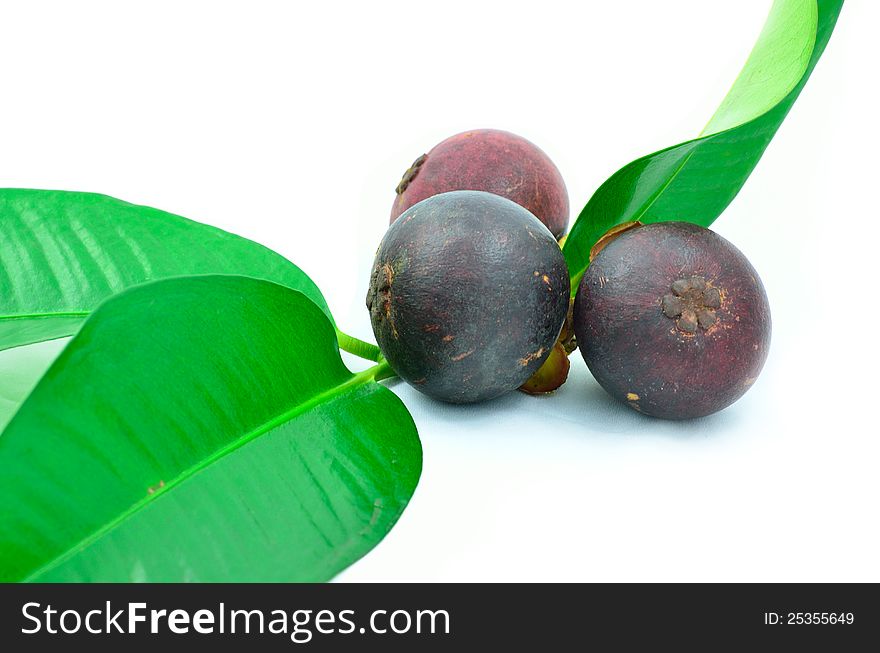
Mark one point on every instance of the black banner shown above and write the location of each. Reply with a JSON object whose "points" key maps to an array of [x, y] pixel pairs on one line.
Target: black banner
{"points": [[436, 617]]}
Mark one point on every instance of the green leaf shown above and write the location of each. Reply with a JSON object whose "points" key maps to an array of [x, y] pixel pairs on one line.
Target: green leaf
{"points": [[20, 369], [202, 429], [696, 180], [63, 253]]}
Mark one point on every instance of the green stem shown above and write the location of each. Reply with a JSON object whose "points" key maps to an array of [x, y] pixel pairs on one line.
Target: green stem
{"points": [[382, 370], [358, 347]]}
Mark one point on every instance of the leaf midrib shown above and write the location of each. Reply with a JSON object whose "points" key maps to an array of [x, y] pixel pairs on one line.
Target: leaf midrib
{"points": [[705, 136], [37, 316], [356, 380], [645, 207]]}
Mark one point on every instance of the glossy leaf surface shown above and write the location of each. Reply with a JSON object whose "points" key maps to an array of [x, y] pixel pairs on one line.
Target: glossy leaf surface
{"points": [[63, 253], [20, 370], [202, 429], [696, 180]]}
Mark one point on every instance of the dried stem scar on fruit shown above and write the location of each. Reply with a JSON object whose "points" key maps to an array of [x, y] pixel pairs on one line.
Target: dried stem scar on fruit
{"points": [[493, 161], [672, 320], [467, 295]]}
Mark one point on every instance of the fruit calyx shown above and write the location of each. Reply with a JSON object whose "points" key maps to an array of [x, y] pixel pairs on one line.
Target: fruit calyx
{"points": [[410, 174], [567, 338], [551, 375], [692, 304], [610, 235], [379, 295], [554, 372]]}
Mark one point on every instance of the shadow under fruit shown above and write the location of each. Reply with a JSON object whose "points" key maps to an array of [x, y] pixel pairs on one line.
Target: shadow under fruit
{"points": [[672, 320], [493, 161], [467, 295]]}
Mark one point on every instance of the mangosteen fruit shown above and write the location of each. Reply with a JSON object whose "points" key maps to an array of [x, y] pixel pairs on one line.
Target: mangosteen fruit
{"points": [[467, 295], [493, 161], [672, 320]]}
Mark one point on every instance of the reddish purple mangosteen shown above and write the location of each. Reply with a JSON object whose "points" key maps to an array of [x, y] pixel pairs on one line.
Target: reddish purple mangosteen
{"points": [[672, 320], [492, 161]]}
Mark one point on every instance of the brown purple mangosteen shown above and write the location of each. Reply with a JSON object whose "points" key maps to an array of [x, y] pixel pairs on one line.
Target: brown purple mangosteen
{"points": [[672, 320], [493, 161], [467, 295]]}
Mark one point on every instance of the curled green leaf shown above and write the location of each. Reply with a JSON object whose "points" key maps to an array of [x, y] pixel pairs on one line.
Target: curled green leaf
{"points": [[696, 180]]}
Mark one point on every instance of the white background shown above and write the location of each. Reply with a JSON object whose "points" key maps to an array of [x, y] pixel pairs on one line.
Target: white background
{"points": [[291, 123]]}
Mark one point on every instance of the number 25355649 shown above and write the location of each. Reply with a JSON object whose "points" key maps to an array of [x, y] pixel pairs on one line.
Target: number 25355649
{"points": [[808, 618]]}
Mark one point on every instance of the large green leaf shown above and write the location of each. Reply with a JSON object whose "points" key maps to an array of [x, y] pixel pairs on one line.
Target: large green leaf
{"points": [[63, 253], [696, 180], [20, 369], [202, 429]]}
